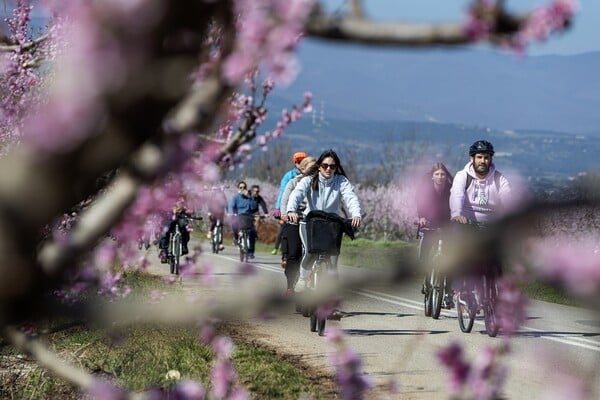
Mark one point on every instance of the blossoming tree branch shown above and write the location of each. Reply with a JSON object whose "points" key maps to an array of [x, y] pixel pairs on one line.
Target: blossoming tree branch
{"points": [[119, 110]]}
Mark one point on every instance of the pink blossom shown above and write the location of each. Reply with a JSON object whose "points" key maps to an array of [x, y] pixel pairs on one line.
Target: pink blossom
{"points": [[452, 358], [189, 390]]}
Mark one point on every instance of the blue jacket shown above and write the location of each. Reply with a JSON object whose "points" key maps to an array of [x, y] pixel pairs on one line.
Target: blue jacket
{"points": [[242, 205], [291, 174]]}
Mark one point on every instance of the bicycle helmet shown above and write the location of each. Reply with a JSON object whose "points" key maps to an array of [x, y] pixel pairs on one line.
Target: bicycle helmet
{"points": [[481, 146]]}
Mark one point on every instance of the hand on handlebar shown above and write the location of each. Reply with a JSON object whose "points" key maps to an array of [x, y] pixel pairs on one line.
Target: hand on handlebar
{"points": [[461, 219], [293, 217]]}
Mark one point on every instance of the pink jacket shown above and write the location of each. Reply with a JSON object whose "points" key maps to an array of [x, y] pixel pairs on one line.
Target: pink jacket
{"points": [[482, 201]]}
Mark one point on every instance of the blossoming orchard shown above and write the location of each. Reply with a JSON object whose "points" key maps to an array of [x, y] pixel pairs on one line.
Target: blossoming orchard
{"points": [[115, 112]]}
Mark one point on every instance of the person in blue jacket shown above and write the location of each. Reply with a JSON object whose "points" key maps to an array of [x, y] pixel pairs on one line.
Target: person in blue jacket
{"points": [[288, 176], [242, 208]]}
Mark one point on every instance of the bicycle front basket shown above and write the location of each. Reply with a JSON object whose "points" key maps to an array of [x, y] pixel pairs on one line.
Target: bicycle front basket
{"points": [[324, 236]]}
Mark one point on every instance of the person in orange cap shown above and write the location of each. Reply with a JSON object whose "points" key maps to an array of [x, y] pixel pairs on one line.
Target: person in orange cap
{"points": [[291, 174]]}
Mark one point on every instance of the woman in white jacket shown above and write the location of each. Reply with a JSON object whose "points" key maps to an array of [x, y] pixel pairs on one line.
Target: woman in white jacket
{"points": [[324, 187]]}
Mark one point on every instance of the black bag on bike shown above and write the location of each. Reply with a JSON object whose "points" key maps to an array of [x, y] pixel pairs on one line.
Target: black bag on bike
{"points": [[324, 235]]}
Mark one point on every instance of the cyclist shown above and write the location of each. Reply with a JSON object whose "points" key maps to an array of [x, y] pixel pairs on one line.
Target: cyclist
{"points": [[296, 159], [291, 246], [244, 206], [479, 192], [180, 217], [325, 188], [217, 208], [433, 210], [255, 192]]}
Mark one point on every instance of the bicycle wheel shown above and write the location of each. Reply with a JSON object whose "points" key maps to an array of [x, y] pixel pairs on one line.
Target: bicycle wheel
{"points": [[437, 293], [489, 314], [466, 312], [427, 300], [214, 241], [242, 244]]}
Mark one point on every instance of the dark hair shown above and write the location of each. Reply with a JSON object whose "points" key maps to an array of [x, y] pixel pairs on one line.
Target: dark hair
{"points": [[240, 182], [438, 166], [254, 187], [481, 146], [314, 170]]}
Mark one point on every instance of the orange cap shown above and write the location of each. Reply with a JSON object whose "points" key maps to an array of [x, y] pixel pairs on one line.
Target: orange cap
{"points": [[299, 156]]}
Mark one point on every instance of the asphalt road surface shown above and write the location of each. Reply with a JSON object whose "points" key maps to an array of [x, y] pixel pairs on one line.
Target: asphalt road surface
{"points": [[397, 343]]}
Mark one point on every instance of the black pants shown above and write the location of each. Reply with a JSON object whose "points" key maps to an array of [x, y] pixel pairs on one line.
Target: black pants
{"points": [[291, 250]]}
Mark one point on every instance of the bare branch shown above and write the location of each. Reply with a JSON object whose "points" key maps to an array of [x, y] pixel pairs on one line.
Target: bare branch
{"points": [[4, 48]]}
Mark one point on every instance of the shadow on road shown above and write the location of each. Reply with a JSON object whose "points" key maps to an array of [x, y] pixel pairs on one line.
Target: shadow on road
{"points": [[556, 333], [389, 332], [355, 313]]}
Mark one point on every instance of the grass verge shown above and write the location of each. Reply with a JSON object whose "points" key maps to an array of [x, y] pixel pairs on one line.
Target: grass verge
{"points": [[140, 356]]}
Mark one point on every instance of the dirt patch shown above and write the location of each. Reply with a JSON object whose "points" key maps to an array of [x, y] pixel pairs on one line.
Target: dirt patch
{"points": [[242, 332], [267, 231]]}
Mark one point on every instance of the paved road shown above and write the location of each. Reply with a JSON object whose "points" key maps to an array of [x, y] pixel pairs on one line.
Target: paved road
{"points": [[386, 326]]}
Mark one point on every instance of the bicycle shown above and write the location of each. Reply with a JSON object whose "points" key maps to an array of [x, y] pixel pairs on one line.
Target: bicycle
{"points": [[479, 294], [324, 238], [244, 232], [175, 250], [217, 237], [435, 284]]}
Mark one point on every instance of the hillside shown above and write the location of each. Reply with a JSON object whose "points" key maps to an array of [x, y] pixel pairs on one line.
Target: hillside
{"points": [[473, 87]]}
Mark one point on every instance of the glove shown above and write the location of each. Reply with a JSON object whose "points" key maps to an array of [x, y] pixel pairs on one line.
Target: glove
{"points": [[277, 214]]}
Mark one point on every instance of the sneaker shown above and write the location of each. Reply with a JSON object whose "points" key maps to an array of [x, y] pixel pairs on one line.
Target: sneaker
{"points": [[274, 251], [221, 247], [301, 285], [448, 303], [251, 256]]}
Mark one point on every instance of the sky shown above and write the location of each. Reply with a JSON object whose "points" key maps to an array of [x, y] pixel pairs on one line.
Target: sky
{"points": [[584, 35], [581, 38]]}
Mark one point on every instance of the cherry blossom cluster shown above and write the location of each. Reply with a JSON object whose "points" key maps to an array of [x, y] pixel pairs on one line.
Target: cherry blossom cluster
{"points": [[269, 31], [483, 378], [354, 384]]}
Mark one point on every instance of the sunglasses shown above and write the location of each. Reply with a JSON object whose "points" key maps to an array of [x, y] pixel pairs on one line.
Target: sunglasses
{"points": [[325, 166]]}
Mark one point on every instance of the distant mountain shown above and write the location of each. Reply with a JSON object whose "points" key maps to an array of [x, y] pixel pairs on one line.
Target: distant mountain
{"points": [[472, 87], [544, 158]]}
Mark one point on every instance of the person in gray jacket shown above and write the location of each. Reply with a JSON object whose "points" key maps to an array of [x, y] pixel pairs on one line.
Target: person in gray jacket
{"points": [[325, 188]]}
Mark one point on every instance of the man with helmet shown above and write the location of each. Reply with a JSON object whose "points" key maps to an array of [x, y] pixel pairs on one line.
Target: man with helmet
{"points": [[478, 190], [291, 174]]}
